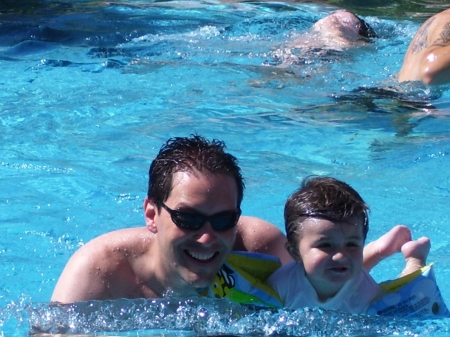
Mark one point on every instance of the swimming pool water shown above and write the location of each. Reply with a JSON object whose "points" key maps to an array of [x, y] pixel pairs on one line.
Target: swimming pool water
{"points": [[90, 91]]}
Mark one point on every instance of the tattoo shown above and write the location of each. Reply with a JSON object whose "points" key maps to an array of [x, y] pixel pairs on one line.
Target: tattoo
{"points": [[444, 37], [420, 40]]}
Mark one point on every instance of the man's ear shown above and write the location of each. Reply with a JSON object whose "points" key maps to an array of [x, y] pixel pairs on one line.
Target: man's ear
{"points": [[293, 251], [150, 214]]}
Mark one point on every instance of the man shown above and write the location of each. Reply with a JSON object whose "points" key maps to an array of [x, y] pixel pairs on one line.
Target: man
{"points": [[191, 211], [192, 223], [427, 58]]}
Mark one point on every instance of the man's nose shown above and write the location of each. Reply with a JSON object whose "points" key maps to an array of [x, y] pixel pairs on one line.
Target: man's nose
{"points": [[206, 234]]}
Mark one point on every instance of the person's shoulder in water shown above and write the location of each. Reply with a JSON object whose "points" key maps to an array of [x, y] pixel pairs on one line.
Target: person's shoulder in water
{"points": [[326, 39], [338, 30], [427, 58]]}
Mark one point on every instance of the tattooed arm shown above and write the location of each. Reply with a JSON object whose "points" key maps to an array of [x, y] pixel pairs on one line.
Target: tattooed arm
{"points": [[428, 56]]}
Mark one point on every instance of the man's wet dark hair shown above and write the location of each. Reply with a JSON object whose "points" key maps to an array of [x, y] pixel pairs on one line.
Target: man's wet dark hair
{"points": [[191, 154]]}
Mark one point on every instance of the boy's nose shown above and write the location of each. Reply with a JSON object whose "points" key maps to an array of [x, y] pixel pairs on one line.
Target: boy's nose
{"points": [[339, 256]]}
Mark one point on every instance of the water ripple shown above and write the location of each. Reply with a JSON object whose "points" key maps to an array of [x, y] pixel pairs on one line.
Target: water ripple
{"points": [[214, 317]]}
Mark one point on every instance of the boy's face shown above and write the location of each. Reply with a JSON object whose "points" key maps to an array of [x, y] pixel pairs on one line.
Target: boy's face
{"points": [[331, 252]]}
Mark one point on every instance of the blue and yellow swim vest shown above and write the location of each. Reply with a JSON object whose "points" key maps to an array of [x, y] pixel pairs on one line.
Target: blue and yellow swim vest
{"points": [[242, 279], [416, 295]]}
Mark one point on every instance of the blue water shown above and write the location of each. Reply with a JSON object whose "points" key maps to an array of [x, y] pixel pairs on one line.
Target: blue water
{"points": [[90, 90]]}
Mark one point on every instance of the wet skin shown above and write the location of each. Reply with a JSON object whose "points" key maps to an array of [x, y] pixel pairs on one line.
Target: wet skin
{"points": [[189, 259], [332, 254]]}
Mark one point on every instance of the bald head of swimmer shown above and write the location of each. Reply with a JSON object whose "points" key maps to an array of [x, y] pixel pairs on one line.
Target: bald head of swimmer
{"points": [[344, 25]]}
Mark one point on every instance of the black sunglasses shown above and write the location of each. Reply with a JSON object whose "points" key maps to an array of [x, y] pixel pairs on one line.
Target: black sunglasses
{"points": [[219, 222]]}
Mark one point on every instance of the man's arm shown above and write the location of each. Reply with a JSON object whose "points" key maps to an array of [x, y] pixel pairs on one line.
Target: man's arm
{"points": [[80, 279], [101, 269], [113, 265], [428, 56]]}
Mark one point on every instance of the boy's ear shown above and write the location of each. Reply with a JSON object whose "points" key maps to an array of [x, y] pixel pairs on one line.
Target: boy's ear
{"points": [[293, 251], [150, 214]]}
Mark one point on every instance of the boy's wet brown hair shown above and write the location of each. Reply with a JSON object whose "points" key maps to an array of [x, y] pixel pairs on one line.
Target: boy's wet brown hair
{"points": [[323, 198]]}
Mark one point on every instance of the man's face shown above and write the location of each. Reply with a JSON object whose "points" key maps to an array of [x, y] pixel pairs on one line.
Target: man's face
{"points": [[331, 252], [191, 258]]}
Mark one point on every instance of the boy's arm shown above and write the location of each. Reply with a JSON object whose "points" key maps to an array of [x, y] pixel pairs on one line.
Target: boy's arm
{"points": [[415, 253], [398, 239], [385, 246]]}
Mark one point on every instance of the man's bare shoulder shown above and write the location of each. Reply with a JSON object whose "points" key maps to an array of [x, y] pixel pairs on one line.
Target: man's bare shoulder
{"points": [[117, 242], [92, 272], [433, 35], [435, 32], [441, 17], [439, 29]]}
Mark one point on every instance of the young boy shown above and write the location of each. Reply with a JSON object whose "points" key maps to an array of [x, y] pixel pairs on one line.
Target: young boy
{"points": [[326, 225]]}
